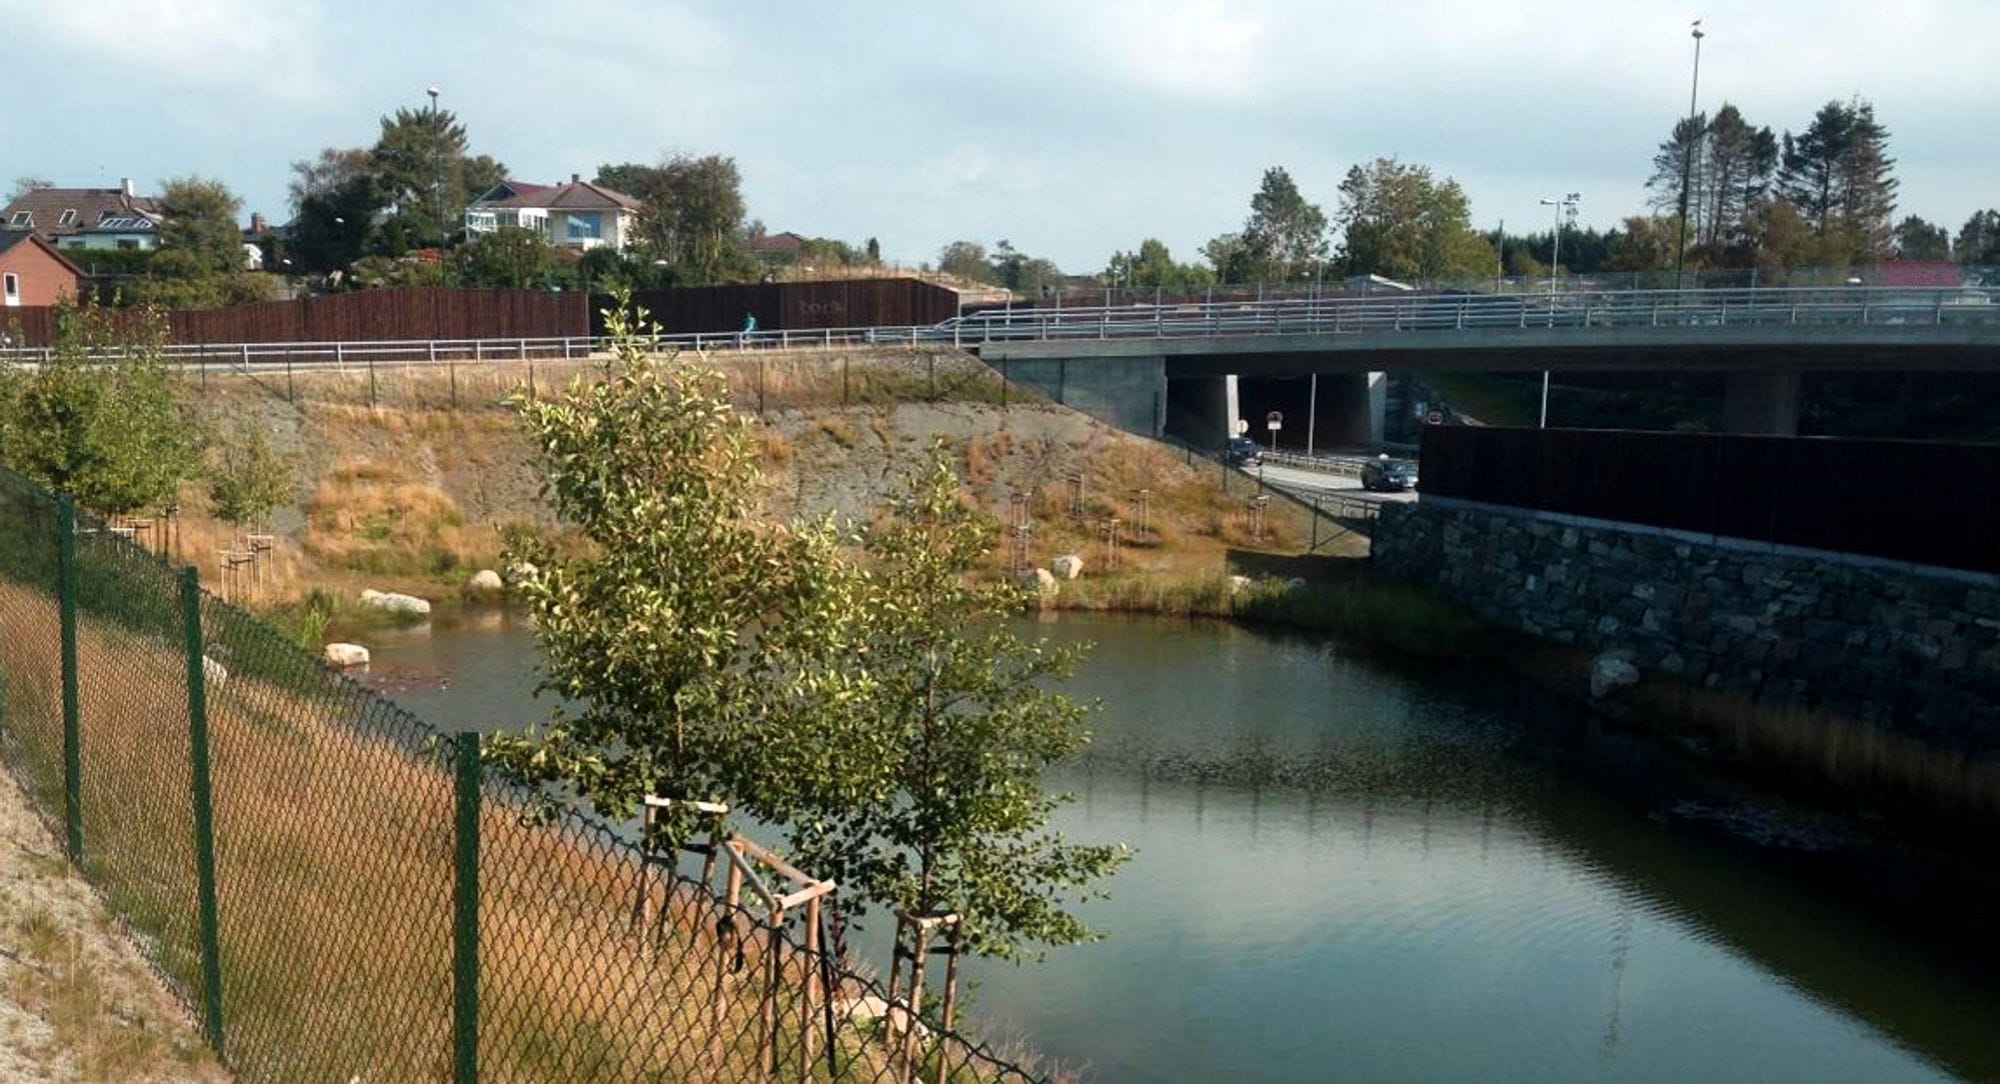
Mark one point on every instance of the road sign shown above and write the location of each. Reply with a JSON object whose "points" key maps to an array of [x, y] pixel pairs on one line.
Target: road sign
{"points": [[1242, 426], [1274, 420], [1434, 418]]}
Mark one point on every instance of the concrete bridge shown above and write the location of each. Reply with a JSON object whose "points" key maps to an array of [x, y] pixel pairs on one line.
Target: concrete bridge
{"points": [[1150, 368]]}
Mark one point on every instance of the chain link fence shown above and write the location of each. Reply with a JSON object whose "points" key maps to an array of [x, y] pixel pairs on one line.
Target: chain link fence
{"points": [[338, 894]]}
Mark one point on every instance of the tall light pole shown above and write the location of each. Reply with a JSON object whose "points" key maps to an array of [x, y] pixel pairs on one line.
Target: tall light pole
{"points": [[1564, 206], [438, 127], [1687, 157]]}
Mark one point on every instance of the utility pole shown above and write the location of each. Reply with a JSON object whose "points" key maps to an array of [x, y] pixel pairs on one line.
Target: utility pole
{"points": [[1564, 205], [1687, 159], [438, 150]]}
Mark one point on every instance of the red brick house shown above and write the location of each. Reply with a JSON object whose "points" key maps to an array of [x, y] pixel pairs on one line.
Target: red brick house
{"points": [[32, 272]]}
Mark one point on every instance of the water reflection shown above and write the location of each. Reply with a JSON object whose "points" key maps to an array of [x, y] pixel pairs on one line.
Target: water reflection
{"points": [[1350, 872]]}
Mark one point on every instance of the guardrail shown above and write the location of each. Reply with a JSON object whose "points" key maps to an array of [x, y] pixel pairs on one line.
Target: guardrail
{"points": [[1873, 306], [1574, 309]]}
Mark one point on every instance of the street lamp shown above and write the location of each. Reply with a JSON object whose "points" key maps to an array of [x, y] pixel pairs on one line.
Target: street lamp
{"points": [[438, 149], [1564, 206], [1687, 156]]}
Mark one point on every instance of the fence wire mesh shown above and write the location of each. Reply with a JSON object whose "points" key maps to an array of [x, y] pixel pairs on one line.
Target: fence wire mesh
{"points": [[335, 863]]}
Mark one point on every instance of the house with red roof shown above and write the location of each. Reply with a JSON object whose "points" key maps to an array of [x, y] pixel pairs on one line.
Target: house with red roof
{"points": [[577, 215]]}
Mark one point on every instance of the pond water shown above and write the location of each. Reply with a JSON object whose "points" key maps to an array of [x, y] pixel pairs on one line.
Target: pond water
{"points": [[1353, 870]]}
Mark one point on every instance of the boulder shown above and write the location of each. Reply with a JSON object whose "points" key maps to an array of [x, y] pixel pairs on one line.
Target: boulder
{"points": [[1240, 583], [213, 674], [1611, 672], [1296, 583], [1069, 566], [346, 655], [487, 580], [395, 603]]}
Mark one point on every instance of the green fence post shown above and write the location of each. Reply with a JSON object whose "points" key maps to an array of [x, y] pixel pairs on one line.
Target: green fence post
{"points": [[465, 916], [72, 715], [204, 811]]}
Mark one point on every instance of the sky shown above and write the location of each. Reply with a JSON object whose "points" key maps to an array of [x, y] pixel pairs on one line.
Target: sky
{"points": [[1072, 128]]}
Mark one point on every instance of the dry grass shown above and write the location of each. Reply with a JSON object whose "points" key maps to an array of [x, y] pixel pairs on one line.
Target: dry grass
{"points": [[335, 883], [370, 515], [1838, 754]]}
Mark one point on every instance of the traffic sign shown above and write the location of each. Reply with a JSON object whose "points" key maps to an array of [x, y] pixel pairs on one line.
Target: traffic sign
{"points": [[1434, 418], [1274, 421]]}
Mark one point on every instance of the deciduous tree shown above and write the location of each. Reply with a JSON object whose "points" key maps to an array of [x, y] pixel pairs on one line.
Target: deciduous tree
{"points": [[1916, 239], [1396, 220]]}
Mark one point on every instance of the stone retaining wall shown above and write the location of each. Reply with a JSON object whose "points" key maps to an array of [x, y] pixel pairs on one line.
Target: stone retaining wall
{"points": [[1912, 647]]}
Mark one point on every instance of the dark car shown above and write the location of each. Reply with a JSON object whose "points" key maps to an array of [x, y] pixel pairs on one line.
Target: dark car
{"points": [[1388, 475], [1242, 452]]}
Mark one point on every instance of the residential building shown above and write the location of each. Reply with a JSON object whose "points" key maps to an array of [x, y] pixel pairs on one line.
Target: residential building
{"points": [[87, 218], [33, 272], [576, 215]]}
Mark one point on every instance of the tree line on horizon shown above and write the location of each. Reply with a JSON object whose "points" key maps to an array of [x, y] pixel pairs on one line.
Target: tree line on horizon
{"points": [[390, 214]]}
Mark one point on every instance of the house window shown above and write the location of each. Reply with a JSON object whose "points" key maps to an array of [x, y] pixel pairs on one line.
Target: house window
{"points": [[585, 226], [127, 244], [23, 219], [67, 218], [12, 288]]}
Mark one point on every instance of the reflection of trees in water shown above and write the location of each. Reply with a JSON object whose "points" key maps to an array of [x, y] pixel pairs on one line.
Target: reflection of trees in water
{"points": [[1419, 770]]}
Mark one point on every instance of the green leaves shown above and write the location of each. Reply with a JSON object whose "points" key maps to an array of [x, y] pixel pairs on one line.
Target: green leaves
{"points": [[117, 434], [864, 693]]}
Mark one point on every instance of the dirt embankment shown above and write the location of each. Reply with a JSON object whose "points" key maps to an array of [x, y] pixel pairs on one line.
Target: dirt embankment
{"points": [[409, 477]]}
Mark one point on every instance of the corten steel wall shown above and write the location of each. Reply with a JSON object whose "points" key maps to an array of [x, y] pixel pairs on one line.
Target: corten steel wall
{"points": [[1927, 503], [365, 316], [784, 306]]}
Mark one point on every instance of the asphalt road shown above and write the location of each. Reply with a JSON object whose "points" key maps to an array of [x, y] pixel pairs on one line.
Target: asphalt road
{"points": [[1308, 482]]}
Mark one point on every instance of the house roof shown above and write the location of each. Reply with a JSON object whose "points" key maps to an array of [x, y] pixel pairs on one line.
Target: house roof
{"points": [[506, 190], [46, 209], [11, 238], [574, 196], [786, 242], [1917, 273]]}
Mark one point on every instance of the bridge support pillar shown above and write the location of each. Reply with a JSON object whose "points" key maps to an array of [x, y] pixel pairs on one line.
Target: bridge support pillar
{"points": [[1761, 403], [1130, 393]]}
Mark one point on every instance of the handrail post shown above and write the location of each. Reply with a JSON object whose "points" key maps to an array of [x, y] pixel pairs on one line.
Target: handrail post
{"points": [[465, 912], [204, 811], [72, 715]]}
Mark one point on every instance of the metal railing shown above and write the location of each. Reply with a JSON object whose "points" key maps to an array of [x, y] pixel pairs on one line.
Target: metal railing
{"points": [[1570, 309]]}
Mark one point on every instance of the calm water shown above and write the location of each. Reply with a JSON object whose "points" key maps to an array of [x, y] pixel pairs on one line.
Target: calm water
{"points": [[1348, 871]]}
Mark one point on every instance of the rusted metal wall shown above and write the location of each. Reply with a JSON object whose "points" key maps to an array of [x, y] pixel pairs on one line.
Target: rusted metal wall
{"points": [[365, 316], [1928, 503]]}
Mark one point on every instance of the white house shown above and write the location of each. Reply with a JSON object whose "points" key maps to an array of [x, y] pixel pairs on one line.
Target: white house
{"points": [[576, 215]]}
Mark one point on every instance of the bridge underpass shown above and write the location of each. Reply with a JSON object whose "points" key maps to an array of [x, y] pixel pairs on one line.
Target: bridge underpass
{"points": [[1193, 387]]}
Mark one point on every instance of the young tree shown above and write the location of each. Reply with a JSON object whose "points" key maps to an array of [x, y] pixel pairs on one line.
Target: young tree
{"points": [[1396, 220], [120, 436], [933, 724], [653, 633], [248, 478], [1645, 243], [1839, 177]]}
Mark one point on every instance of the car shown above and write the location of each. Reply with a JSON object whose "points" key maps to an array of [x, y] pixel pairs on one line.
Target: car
{"points": [[1242, 452], [1387, 475]]}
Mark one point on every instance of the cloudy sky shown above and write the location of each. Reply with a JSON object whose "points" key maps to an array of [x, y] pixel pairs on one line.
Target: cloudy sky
{"points": [[1070, 127]]}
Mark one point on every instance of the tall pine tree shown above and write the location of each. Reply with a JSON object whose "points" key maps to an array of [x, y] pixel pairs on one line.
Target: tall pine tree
{"points": [[1839, 177]]}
